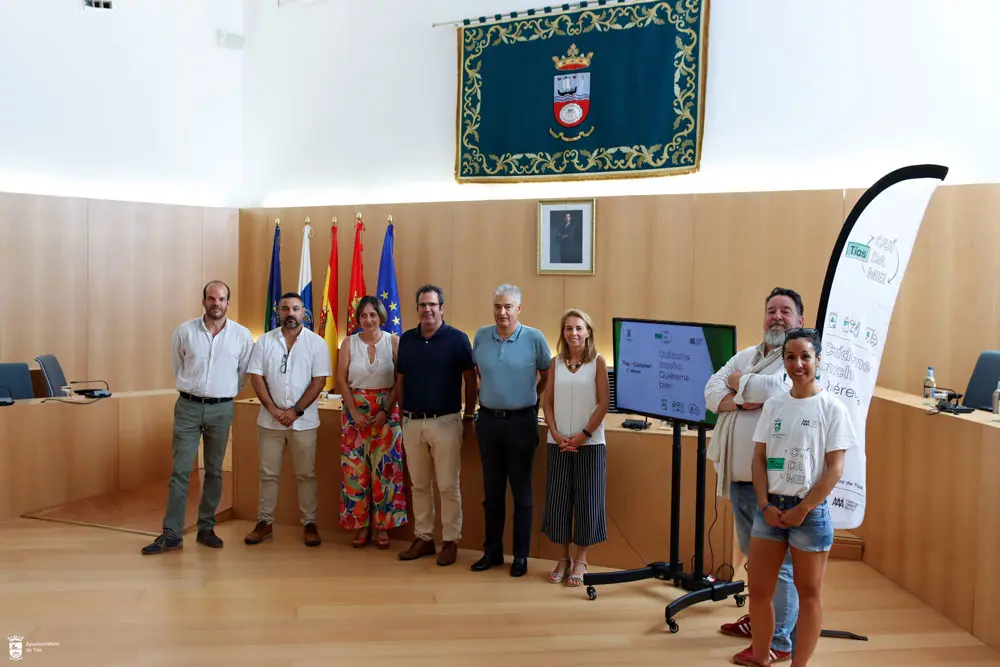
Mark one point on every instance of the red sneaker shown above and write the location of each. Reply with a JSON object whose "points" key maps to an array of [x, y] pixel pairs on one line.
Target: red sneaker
{"points": [[741, 628], [745, 657]]}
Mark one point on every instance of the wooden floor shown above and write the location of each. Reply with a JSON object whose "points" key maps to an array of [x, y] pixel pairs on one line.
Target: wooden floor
{"points": [[282, 604], [138, 510]]}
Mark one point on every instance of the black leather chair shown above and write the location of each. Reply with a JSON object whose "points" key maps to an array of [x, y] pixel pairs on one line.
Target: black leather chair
{"points": [[55, 379], [983, 381], [15, 381]]}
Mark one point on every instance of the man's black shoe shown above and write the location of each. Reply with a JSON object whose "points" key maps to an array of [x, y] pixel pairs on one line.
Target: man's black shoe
{"points": [[486, 562], [161, 544], [209, 538], [519, 567]]}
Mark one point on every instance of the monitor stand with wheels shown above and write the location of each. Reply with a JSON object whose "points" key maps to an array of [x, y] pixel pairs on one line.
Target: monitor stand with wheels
{"points": [[700, 587]]}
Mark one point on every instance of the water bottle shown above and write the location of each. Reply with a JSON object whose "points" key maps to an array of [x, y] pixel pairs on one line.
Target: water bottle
{"points": [[996, 399], [929, 384]]}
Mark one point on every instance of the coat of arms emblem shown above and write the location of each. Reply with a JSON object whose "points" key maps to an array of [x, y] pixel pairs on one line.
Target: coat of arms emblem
{"points": [[571, 90]]}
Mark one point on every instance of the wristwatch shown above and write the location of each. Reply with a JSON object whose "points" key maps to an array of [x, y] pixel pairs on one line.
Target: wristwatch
{"points": [[299, 411]]}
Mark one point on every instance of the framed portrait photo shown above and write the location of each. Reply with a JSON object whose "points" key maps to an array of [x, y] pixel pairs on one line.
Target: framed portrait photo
{"points": [[567, 232]]}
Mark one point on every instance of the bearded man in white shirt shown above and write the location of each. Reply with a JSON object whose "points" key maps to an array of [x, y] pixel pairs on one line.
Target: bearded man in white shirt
{"points": [[288, 369], [736, 393], [210, 358]]}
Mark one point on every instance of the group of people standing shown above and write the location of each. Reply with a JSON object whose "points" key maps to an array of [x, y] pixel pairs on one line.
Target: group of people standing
{"points": [[778, 446], [403, 404]]}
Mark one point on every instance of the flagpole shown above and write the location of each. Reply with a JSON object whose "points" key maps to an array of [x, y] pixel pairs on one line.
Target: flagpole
{"points": [[583, 4]]}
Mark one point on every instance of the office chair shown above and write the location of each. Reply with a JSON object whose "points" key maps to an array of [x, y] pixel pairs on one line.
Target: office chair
{"points": [[15, 380], [983, 381], [55, 379]]}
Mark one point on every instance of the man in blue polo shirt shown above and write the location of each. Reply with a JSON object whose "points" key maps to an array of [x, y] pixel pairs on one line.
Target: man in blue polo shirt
{"points": [[511, 360], [432, 361]]}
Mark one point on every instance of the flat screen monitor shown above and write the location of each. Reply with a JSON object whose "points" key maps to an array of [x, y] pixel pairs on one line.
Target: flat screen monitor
{"points": [[662, 367]]}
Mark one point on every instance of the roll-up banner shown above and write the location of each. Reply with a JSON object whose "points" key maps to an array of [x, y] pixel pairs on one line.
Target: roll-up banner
{"points": [[859, 293]]}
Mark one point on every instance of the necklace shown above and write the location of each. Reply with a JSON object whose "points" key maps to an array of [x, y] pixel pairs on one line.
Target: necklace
{"points": [[573, 366]]}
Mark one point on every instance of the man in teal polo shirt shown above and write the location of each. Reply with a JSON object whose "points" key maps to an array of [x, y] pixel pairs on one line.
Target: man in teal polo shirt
{"points": [[511, 360]]}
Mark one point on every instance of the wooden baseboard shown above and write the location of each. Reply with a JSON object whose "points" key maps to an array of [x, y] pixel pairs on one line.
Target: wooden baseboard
{"points": [[847, 546]]}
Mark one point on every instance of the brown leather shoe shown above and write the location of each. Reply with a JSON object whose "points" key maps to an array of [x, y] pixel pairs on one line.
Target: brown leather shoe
{"points": [[312, 535], [262, 531], [449, 552], [417, 549]]}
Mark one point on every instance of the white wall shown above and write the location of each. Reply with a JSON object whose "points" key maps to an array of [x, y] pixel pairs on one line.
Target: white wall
{"points": [[136, 103], [354, 102]]}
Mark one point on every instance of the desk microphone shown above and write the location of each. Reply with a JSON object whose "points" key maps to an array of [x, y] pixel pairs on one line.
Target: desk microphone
{"points": [[92, 393], [9, 398]]}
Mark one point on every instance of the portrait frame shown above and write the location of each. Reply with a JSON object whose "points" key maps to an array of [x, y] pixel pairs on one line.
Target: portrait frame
{"points": [[567, 237]]}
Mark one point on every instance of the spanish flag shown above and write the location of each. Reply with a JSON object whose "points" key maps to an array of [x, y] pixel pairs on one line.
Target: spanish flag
{"points": [[356, 289], [328, 318]]}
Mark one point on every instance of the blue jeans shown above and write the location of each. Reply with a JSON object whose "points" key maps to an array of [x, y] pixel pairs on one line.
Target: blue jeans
{"points": [[786, 598], [814, 535]]}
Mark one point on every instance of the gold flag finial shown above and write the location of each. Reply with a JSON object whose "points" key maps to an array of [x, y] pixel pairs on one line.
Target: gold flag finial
{"points": [[359, 216], [334, 221], [390, 218], [277, 222], [307, 220]]}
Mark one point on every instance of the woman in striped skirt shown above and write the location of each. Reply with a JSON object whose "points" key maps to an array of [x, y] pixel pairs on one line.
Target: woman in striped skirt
{"points": [[576, 402]]}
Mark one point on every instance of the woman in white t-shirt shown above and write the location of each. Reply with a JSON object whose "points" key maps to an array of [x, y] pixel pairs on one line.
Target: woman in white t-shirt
{"points": [[371, 440], [576, 400], [800, 443]]}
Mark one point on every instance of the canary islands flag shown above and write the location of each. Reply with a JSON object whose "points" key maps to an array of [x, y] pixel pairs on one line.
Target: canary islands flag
{"points": [[306, 278], [388, 291]]}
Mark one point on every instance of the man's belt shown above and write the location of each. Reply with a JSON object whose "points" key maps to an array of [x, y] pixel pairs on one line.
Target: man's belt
{"points": [[427, 415], [202, 399], [505, 414]]}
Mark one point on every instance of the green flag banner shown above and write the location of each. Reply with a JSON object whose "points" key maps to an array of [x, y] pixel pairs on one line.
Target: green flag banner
{"points": [[604, 91]]}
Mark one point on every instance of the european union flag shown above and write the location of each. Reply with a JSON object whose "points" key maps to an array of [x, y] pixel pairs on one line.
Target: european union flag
{"points": [[388, 291], [274, 283]]}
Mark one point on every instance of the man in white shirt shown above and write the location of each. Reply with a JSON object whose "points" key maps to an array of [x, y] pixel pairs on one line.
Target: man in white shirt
{"points": [[288, 370], [736, 393], [210, 358]]}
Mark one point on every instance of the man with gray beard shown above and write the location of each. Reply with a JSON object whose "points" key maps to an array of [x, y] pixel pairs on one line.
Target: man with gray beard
{"points": [[736, 393]]}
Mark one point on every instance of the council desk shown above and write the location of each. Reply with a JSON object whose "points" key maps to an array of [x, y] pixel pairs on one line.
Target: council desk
{"points": [[54, 451], [638, 494], [932, 523]]}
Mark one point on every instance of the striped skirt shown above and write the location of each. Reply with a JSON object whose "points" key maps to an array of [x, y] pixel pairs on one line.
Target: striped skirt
{"points": [[574, 495]]}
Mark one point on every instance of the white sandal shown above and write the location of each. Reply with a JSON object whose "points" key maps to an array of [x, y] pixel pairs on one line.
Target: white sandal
{"points": [[575, 580], [556, 576]]}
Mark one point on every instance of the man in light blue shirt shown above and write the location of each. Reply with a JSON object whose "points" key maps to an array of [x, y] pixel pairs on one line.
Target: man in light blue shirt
{"points": [[511, 360]]}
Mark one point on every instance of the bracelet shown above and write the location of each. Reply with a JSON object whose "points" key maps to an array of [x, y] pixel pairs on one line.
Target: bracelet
{"points": [[586, 433], [764, 509]]}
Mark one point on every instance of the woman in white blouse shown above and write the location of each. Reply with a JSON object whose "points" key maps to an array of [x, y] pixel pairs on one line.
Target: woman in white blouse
{"points": [[576, 401], [371, 445]]}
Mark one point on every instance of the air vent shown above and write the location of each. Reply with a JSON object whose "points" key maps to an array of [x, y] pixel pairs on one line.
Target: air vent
{"points": [[97, 4]]}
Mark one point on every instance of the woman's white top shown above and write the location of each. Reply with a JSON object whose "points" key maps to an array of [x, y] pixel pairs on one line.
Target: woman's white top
{"points": [[575, 399], [365, 374]]}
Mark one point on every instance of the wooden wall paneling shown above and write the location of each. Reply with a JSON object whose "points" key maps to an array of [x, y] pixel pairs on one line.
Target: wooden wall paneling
{"points": [[424, 249], [255, 230], [220, 254], [496, 243], [947, 310], [43, 269], [643, 264], [986, 613], [745, 244], [145, 279]]}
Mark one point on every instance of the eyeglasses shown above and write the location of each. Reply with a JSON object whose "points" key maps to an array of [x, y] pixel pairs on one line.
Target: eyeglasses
{"points": [[284, 364]]}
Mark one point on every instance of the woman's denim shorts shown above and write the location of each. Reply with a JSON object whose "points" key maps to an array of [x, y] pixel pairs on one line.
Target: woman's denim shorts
{"points": [[814, 534]]}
